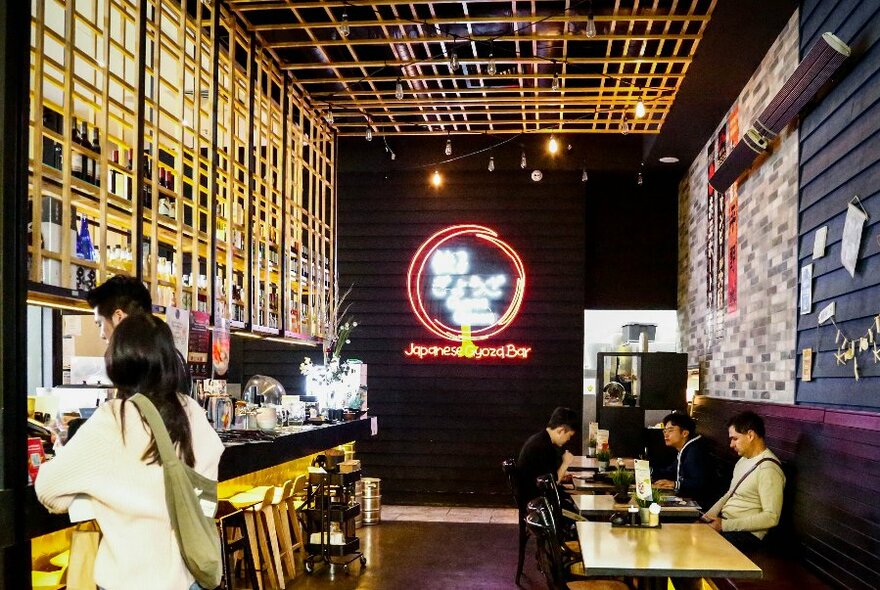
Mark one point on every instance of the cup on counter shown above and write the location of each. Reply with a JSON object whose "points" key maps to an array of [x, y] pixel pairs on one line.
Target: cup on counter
{"points": [[267, 418]]}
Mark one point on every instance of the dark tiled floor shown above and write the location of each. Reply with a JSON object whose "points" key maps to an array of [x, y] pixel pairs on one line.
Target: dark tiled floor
{"points": [[431, 556]]}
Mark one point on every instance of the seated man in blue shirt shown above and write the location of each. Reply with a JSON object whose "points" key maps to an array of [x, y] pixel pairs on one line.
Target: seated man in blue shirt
{"points": [[692, 475]]}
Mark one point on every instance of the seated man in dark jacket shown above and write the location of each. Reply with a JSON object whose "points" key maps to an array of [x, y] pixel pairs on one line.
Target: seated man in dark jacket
{"points": [[692, 475], [542, 453]]}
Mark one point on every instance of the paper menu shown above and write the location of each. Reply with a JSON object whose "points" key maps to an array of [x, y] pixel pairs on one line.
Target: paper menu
{"points": [[594, 427], [643, 480], [601, 439]]}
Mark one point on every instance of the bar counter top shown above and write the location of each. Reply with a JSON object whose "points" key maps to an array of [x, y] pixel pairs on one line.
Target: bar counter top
{"points": [[238, 459]]}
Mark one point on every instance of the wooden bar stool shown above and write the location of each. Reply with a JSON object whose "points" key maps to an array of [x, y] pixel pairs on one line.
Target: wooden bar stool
{"points": [[280, 498], [234, 538], [260, 523]]}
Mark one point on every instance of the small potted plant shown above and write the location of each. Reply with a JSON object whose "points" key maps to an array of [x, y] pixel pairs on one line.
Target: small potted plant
{"points": [[602, 459], [644, 505], [622, 479], [591, 448]]}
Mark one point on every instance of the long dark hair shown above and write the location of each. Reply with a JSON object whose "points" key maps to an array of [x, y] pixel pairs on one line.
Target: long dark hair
{"points": [[142, 359]]}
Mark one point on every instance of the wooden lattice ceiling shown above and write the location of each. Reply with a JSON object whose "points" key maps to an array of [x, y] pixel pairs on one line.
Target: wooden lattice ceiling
{"points": [[349, 57]]}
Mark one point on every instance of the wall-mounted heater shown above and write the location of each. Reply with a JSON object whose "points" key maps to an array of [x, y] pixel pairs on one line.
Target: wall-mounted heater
{"points": [[818, 65]]}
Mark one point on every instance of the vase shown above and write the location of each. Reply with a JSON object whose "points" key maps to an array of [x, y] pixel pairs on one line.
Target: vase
{"points": [[591, 451], [603, 465], [644, 516]]}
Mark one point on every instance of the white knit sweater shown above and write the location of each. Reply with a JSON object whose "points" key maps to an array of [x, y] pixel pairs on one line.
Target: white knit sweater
{"points": [[138, 549]]}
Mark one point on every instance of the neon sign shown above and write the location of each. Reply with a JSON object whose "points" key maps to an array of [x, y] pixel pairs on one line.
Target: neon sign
{"points": [[465, 284]]}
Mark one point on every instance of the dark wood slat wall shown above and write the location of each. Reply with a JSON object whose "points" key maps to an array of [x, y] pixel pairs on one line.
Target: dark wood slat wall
{"points": [[445, 427], [840, 143], [832, 460]]}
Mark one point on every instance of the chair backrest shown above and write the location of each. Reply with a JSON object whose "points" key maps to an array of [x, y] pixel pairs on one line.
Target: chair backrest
{"points": [[299, 485], [508, 466], [550, 492], [539, 521]]}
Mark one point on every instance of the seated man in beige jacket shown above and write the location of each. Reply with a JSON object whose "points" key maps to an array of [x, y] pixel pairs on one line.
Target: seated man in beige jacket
{"points": [[753, 503]]}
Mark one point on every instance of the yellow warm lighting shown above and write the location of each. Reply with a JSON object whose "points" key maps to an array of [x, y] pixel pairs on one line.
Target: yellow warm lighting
{"points": [[67, 307], [640, 110], [553, 145], [436, 179]]}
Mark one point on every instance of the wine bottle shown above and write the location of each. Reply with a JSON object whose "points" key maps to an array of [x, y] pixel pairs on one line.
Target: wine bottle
{"points": [[84, 248], [96, 165], [87, 171], [75, 161]]}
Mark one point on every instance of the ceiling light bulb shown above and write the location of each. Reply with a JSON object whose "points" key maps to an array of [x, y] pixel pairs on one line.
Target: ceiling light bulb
{"points": [[492, 68], [329, 117], [369, 134], [522, 161], [640, 110], [436, 180], [448, 149], [398, 90], [393, 155], [553, 145], [555, 86], [590, 28], [345, 29], [584, 177], [640, 180], [491, 166], [453, 61], [624, 126]]}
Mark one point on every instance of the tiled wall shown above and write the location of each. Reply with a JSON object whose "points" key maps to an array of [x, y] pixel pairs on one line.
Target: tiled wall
{"points": [[748, 353]]}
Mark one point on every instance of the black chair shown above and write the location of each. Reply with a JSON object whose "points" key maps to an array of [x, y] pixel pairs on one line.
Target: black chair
{"points": [[564, 512], [234, 538], [508, 466], [551, 561]]}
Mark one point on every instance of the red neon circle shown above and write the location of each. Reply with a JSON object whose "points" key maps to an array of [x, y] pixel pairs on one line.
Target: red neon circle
{"points": [[415, 275]]}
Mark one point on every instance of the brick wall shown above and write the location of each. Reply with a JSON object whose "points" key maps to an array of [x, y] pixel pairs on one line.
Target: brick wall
{"points": [[748, 353]]}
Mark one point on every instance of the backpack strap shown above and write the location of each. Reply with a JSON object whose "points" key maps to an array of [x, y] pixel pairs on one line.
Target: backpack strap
{"points": [[749, 472], [163, 440]]}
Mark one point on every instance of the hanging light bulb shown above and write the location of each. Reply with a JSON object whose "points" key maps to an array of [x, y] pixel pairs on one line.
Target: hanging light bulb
{"points": [[624, 125], [640, 110], [492, 67], [448, 149], [453, 61], [345, 29], [369, 133], [436, 179], [640, 181], [522, 160], [329, 117], [553, 145], [491, 166], [584, 177], [393, 155], [555, 86], [398, 90], [590, 28]]}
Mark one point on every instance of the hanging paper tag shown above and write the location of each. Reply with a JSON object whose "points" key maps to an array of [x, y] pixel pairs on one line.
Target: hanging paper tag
{"points": [[863, 344], [852, 237], [807, 365]]}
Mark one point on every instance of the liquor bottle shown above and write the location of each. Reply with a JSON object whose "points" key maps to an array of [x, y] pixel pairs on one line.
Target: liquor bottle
{"points": [[84, 247], [76, 167], [87, 169], [96, 165]]}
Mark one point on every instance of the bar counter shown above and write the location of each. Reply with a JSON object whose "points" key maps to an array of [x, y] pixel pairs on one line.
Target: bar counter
{"points": [[239, 459]]}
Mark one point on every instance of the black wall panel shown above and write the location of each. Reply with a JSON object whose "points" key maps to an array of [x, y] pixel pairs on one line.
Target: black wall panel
{"points": [[839, 159], [445, 426]]}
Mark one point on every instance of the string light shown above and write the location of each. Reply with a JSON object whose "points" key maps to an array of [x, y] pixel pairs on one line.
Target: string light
{"points": [[436, 179], [345, 28], [624, 125], [639, 179], [398, 90], [640, 110], [448, 149], [492, 67], [329, 117], [553, 145], [555, 86], [522, 160], [453, 61], [584, 176], [369, 133], [590, 28], [491, 166]]}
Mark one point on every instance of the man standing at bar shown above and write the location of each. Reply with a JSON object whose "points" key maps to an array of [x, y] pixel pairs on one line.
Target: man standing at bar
{"points": [[542, 453], [753, 503]]}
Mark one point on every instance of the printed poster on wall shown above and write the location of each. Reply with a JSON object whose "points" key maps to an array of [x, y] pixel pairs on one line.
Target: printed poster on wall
{"points": [[220, 344], [178, 320], [199, 344]]}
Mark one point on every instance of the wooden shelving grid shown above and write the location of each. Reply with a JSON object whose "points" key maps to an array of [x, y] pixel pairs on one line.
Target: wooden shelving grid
{"points": [[168, 145]]}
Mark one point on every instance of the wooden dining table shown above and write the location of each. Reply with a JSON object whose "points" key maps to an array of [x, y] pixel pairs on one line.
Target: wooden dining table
{"points": [[602, 506], [582, 463], [655, 554]]}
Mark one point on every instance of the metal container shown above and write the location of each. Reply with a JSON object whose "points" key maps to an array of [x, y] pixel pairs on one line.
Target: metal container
{"points": [[372, 500]]}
